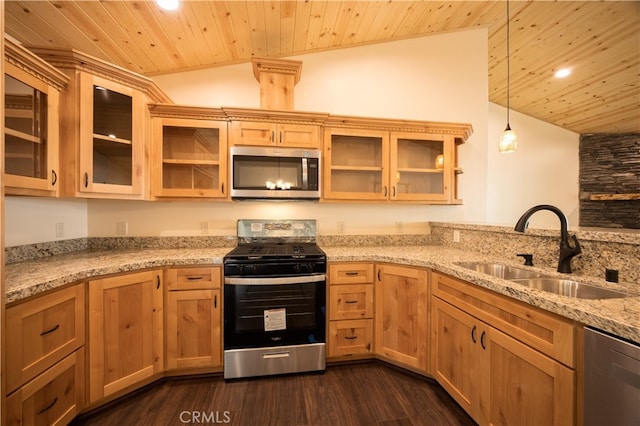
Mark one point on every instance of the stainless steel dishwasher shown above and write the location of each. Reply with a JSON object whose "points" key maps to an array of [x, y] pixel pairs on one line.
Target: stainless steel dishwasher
{"points": [[611, 380]]}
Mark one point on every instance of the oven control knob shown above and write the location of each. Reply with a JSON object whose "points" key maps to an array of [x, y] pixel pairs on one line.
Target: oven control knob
{"points": [[297, 267], [310, 267], [254, 268]]}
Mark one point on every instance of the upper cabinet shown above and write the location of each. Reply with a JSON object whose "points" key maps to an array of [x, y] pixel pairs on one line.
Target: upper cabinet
{"points": [[103, 123], [31, 100], [189, 152], [370, 159], [274, 128]]}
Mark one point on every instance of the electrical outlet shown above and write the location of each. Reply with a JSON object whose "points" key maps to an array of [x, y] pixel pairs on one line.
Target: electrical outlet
{"points": [[340, 226], [399, 227], [204, 227], [59, 230], [456, 236], [122, 228]]}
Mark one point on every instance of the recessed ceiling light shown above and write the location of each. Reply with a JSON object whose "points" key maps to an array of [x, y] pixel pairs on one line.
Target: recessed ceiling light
{"points": [[168, 4], [562, 72]]}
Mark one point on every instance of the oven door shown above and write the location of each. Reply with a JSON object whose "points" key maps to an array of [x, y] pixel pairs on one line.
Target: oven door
{"points": [[266, 312]]}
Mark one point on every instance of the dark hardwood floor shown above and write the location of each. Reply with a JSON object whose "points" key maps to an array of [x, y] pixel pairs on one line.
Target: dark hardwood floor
{"points": [[371, 393]]}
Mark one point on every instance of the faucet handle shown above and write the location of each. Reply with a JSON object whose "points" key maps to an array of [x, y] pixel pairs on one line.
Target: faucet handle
{"points": [[576, 246], [528, 259]]}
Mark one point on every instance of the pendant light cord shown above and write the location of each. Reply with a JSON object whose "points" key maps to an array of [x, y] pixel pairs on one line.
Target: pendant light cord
{"points": [[508, 67]]}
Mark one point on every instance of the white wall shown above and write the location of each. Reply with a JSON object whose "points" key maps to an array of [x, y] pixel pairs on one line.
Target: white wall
{"points": [[440, 78]]}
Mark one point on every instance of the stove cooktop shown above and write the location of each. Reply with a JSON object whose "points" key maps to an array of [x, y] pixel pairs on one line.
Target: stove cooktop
{"points": [[276, 250]]}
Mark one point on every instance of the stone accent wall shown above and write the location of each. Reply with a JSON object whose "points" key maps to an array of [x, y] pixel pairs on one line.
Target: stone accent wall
{"points": [[609, 164]]}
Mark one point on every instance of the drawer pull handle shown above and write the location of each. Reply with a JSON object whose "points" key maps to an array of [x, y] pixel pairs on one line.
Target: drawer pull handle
{"points": [[351, 273], [48, 407], [51, 330], [350, 337], [194, 278], [350, 301], [473, 334]]}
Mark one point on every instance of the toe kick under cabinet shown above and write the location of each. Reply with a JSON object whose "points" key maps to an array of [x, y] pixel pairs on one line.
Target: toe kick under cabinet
{"points": [[503, 361]]}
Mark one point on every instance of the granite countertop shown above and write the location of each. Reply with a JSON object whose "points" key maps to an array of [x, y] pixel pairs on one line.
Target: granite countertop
{"points": [[619, 316]]}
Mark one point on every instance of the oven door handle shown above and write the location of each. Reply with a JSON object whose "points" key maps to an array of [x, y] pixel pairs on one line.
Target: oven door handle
{"points": [[271, 281]]}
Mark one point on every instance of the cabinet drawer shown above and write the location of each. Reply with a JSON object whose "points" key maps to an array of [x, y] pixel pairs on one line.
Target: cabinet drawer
{"points": [[350, 337], [193, 278], [546, 332], [53, 398], [351, 273], [42, 332], [351, 301]]}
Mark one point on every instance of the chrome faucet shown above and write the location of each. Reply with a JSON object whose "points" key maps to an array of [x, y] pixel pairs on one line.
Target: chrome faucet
{"points": [[566, 251]]}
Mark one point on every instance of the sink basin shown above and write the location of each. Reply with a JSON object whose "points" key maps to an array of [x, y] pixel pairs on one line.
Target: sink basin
{"points": [[501, 271], [570, 288]]}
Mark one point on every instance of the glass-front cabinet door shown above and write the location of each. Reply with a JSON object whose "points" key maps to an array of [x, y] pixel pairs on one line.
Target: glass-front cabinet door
{"points": [[111, 132], [421, 167], [189, 158], [31, 134], [355, 164]]}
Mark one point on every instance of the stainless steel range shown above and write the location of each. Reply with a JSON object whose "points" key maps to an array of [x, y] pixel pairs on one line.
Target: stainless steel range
{"points": [[274, 300]]}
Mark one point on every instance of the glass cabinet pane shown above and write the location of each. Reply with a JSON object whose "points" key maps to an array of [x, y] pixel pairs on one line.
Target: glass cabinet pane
{"points": [[356, 164], [112, 134], [190, 158], [420, 166], [25, 130]]}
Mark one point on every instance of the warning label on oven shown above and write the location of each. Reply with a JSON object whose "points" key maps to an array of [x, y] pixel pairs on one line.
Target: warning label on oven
{"points": [[275, 319]]}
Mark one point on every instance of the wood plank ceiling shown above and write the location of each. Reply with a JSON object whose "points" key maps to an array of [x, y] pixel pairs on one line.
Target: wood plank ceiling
{"points": [[599, 41]]}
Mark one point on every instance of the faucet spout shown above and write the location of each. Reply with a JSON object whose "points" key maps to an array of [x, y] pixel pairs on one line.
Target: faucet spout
{"points": [[567, 252]]}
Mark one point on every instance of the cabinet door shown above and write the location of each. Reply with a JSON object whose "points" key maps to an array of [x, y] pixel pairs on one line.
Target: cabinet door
{"points": [[125, 331], [422, 167], [189, 158], [401, 319], [193, 329], [259, 133], [454, 361], [356, 164], [521, 386], [31, 132], [111, 137], [298, 135]]}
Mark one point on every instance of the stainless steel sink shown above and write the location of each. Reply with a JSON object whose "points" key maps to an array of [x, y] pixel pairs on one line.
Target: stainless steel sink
{"points": [[499, 270], [537, 280], [570, 288]]}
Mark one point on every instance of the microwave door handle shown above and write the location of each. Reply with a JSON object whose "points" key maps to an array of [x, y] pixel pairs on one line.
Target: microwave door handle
{"points": [[305, 173]]}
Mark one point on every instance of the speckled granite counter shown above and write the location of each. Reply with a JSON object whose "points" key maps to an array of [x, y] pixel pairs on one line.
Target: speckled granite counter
{"points": [[618, 316]]}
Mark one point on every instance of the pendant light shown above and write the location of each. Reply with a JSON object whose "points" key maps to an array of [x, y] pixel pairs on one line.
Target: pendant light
{"points": [[508, 141]]}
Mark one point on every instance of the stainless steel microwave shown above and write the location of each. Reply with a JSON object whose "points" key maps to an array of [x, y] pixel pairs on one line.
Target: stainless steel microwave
{"points": [[274, 173]]}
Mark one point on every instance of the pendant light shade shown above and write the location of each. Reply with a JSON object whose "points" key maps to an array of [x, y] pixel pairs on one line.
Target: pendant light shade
{"points": [[508, 141]]}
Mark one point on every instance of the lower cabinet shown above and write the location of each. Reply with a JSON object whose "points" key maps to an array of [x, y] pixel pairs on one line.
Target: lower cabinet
{"points": [[402, 318], [496, 378], [193, 315], [125, 331], [54, 397]]}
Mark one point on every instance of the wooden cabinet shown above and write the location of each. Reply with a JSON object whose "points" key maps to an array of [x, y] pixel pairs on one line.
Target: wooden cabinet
{"points": [[262, 127], [401, 320], [367, 159], [43, 331], [189, 155], [104, 120], [31, 123], [125, 331], [486, 352], [45, 358], [54, 397], [350, 309], [193, 317], [274, 134]]}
